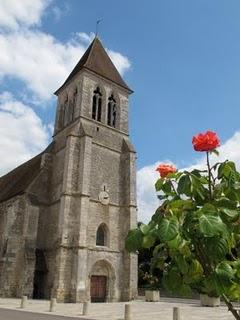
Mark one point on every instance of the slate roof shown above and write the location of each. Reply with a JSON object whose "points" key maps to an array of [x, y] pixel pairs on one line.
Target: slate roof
{"points": [[97, 60], [16, 181]]}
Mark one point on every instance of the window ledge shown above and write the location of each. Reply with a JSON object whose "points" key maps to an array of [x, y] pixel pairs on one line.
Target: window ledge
{"points": [[103, 248]]}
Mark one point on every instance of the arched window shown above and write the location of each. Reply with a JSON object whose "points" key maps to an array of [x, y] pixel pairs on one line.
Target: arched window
{"points": [[101, 236], [97, 105], [112, 112]]}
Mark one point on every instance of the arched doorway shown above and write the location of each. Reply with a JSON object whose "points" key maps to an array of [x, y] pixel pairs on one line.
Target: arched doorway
{"points": [[40, 275], [102, 282]]}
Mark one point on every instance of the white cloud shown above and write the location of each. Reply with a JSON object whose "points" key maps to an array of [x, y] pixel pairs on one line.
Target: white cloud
{"points": [[38, 59], [121, 62], [21, 13], [85, 37], [41, 61], [147, 176], [22, 133], [146, 196]]}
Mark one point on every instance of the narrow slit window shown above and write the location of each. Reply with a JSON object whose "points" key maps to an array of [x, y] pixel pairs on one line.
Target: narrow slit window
{"points": [[112, 112], [101, 236], [97, 105]]}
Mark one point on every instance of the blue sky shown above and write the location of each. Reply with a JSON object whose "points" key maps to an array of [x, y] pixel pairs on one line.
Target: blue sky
{"points": [[181, 58]]}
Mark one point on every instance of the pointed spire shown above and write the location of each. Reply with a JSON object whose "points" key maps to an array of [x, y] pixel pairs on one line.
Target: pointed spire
{"points": [[97, 60]]}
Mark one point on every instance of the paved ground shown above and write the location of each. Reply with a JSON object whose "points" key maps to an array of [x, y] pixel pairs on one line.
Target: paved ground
{"points": [[189, 309], [6, 314]]}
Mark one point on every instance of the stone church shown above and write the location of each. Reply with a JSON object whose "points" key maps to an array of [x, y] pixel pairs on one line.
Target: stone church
{"points": [[65, 213]]}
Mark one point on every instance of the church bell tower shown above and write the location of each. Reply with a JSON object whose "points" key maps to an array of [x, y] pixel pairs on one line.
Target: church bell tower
{"points": [[93, 184]]}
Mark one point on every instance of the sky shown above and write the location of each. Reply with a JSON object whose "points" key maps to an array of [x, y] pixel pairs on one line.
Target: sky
{"points": [[181, 58]]}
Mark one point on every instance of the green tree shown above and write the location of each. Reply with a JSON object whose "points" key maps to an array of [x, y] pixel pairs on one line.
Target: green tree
{"points": [[197, 227]]}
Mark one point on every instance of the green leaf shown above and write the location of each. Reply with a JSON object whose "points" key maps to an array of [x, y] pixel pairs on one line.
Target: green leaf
{"points": [[211, 226], [167, 187], [158, 185], [184, 185], [229, 214], [182, 264], [224, 202], [208, 208], [176, 242], [236, 265], [214, 151], [216, 248], [134, 240], [195, 271], [234, 291], [181, 204], [145, 228], [223, 276], [168, 229], [226, 169], [148, 241], [224, 270]]}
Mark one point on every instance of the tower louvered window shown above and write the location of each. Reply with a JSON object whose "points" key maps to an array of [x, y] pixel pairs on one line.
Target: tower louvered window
{"points": [[97, 105], [112, 112]]}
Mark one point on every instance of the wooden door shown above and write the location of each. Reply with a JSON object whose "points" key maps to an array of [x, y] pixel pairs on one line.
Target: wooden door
{"points": [[98, 288]]}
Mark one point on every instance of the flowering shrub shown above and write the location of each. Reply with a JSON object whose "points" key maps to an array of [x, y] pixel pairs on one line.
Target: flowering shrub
{"points": [[197, 226]]}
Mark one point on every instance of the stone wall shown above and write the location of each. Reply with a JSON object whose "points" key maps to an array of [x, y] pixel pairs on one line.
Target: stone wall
{"points": [[18, 257]]}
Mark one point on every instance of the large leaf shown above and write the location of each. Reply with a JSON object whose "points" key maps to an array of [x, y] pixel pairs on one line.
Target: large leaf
{"points": [[181, 263], [216, 248], [148, 241], [224, 202], [184, 185], [145, 228], [176, 243], [211, 226], [225, 271], [181, 205], [167, 187], [168, 229], [229, 214], [158, 184], [223, 276], [134, 240], [195, 272], [226, 169]]}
